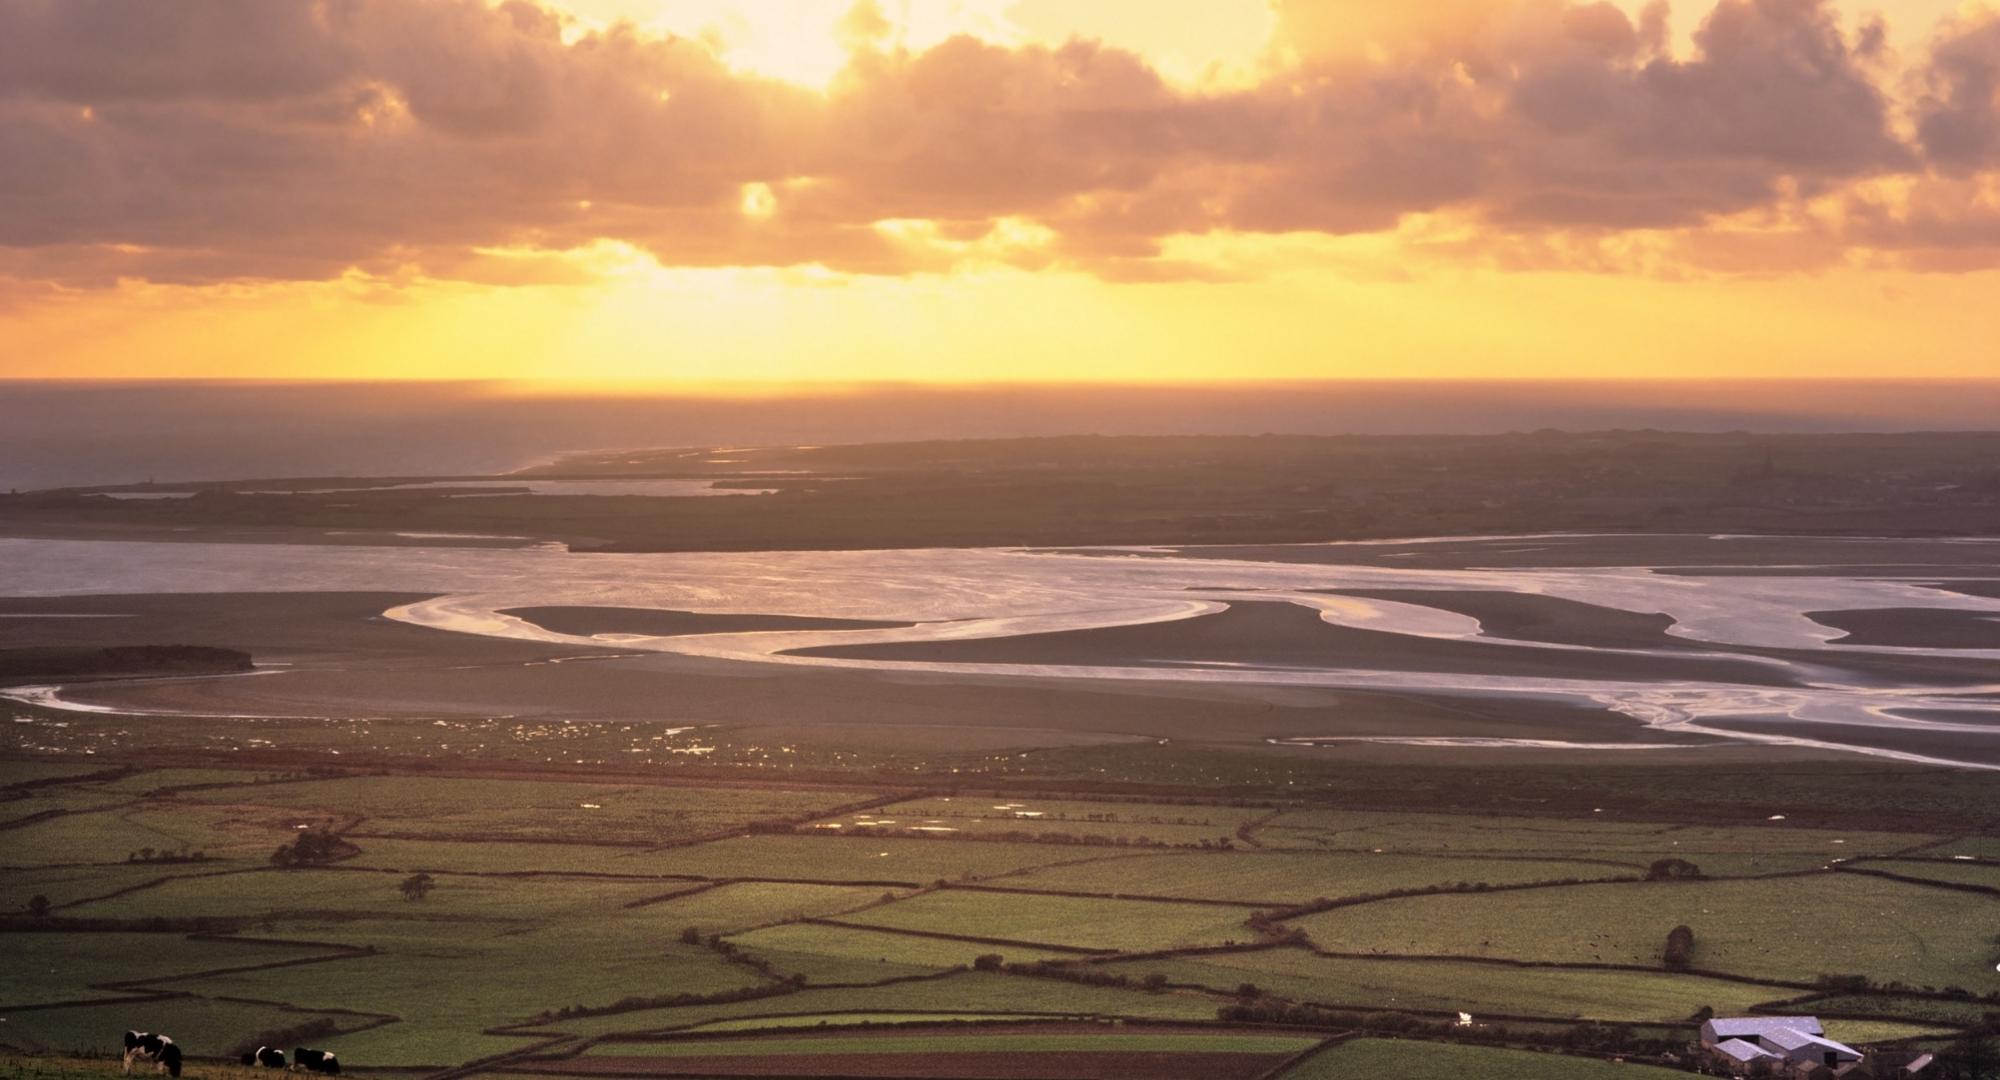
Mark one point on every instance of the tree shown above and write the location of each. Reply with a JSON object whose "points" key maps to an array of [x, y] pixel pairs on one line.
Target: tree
{"points": [[38, 906], [1672, 870], [1679, 952], [417, 886], [314, 847], [992, 961]]}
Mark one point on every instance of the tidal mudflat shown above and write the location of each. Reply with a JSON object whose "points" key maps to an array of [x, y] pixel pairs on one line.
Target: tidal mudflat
{"points": [[1630, 642]]}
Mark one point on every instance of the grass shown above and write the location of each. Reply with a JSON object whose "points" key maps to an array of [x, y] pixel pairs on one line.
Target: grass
{"points": [[862, 858], [841, 954], [837, 1020], [1294, 877], [269, 893], [53, 1067], [536, 810], [19, 771], [972, 991], [1135, 822], [1920, 1010], [532, 917], [1793, 928], [202, 1027], [1409, 1060], [967, 1043], [66, 884], [1452, 986], [109, 836], [1718, 850], [46, 967], [753, 903], [1964, 873], [465, 983], [1061, 920]]}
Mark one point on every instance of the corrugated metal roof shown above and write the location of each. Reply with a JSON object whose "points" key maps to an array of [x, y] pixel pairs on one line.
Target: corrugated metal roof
{"points": [[1733, 1027], [1742, 1051]]}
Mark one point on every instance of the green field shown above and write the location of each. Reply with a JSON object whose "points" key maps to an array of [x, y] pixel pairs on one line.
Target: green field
{"points": [[841, 1020], [516, 975], [63, 967], [1454, 986], [1963, 873], [202, 1027], [864, 858], [548, 916], [752, 903], [1410, 1060], [853, 954], [270, 893], [1718, 850], [1131, 925], [109, 836], [972, 991], [534, 810], [1287, 877], [1132, 823], [1793, 928], [973, 1043]]}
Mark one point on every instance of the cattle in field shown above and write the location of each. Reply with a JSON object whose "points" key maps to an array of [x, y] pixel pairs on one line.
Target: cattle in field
{"points": [[265, 1057], [319, 1061], [156, 1049]]}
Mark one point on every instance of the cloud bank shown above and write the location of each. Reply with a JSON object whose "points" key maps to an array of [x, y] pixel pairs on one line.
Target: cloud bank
{"points": [[229, 140]]}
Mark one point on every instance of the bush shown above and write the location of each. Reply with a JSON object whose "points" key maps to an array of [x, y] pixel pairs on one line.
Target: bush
{"points": [[1679, 953], [1672, 870], [992, 961]]}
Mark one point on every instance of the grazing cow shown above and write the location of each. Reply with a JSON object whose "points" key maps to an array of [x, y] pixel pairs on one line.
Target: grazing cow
{"points": [[319, 1061], [157, 1049], [266, 1057]]}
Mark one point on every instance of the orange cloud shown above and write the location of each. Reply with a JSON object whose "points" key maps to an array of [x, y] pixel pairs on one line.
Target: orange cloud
{"points": [[218, 140]]}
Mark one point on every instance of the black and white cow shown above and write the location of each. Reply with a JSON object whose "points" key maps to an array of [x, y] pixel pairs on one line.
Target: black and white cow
{"points": [[319, 1061], [266, 1057], [155, 1049]]}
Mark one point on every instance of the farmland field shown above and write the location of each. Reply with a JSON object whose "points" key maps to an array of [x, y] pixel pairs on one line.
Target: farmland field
{"points": [[1453, 986], [1282, 877], [1408, 1060], [1139, 823], [1076, 922], [835, 954], [533, 810], [561, 910], [1887, 929]]}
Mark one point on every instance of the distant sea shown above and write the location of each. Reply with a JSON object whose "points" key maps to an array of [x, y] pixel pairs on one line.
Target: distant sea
{"points": [[77, 433]]}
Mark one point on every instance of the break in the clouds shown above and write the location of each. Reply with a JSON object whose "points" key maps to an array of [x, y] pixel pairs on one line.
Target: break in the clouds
{"points": [[215, 140]]}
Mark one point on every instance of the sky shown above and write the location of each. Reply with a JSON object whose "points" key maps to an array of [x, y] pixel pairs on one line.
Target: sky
{"points": [[713, 193]]}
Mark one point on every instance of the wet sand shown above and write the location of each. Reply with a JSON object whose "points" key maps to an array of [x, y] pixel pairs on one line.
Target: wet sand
{"points": [[1964, 746], [1532, 617], [1277, 634], [586, 621], [330, 638], [1690, 553], [1922, 628]]}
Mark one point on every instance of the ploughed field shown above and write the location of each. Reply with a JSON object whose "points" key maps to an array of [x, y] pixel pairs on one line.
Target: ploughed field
{"points": [[557, 924]]}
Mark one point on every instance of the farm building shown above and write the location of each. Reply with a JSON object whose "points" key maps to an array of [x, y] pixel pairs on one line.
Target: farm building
{"points": [[1797, 1047]]}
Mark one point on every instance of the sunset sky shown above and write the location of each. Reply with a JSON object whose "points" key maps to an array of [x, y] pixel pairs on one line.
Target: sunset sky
{"points": [[706, 192]]}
